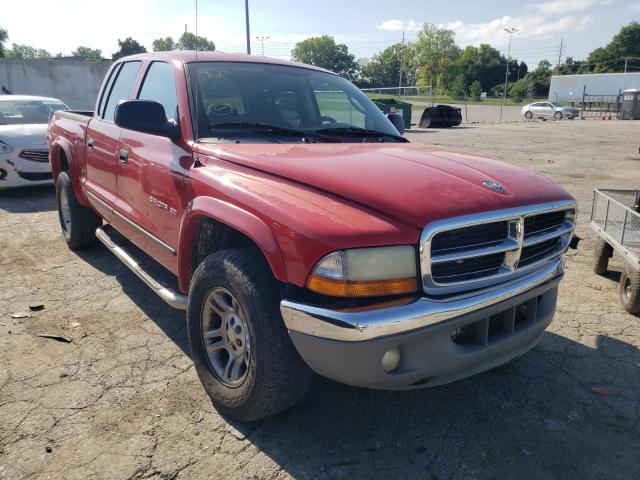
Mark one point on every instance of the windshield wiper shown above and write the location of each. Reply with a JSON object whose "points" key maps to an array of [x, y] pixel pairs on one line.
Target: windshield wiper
{"points": [[272, 129], [360, 132]]}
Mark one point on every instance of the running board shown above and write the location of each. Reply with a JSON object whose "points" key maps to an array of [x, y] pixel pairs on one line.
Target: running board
{"points": [[173, 298]]}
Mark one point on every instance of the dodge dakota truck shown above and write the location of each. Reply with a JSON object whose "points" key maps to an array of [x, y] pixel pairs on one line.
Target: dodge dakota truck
{"points": [[278, 206]]}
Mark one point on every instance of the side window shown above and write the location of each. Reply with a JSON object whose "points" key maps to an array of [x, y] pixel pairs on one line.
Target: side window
{"points": [[121, 88], [107, 88], [336, 104], [160, 85]]}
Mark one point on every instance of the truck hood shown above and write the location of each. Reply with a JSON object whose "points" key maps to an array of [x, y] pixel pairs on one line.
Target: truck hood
{"points": [[414, 183], [28, 135]]}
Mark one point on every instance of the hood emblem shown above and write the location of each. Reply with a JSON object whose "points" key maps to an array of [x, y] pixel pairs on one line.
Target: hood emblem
{"points": [[495, 186]]}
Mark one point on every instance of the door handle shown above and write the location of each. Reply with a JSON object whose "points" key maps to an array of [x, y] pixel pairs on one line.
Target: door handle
{"points": [[90, 142], [123, 156]]}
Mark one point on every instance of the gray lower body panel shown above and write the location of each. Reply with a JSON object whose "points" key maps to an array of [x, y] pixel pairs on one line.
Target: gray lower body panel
{"points": [[440, 353]]}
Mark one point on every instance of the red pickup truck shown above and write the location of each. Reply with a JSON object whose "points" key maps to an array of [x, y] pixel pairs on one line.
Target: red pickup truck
{"points": [[303, 232]]}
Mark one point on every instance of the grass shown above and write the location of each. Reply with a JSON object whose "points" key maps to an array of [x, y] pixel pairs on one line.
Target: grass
{"points": [[425, 101]]}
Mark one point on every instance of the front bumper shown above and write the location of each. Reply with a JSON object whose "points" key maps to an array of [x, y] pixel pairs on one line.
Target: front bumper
{"points": [[439, 341], [18, 172]]}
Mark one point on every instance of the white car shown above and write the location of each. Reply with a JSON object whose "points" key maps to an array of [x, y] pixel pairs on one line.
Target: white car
{"points": [[24, 155], [549, 110]]}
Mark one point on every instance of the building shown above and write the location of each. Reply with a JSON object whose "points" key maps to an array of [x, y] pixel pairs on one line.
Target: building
{"points": [[571, 87], [74, 81]]}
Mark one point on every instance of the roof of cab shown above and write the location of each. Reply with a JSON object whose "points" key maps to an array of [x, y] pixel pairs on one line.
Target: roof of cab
{"points": [[27, 98], [190, 56]]}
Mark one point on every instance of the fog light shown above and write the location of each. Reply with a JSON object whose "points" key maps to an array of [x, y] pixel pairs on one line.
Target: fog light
{"points": [[391, 359]]}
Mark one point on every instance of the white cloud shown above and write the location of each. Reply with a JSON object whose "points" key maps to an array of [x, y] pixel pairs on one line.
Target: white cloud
{"points": [[635, 7], [560, 7], [536, 26], [398, 25]]}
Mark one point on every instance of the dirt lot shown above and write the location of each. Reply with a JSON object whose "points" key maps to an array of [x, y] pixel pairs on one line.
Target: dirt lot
{"points": [[123, 401]]}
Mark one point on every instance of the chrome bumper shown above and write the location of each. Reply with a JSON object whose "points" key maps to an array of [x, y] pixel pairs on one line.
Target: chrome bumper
{"points": [[366, 325]]}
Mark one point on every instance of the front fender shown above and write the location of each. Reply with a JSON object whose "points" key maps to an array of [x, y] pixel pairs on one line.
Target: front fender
{"points": [[247, 223]]}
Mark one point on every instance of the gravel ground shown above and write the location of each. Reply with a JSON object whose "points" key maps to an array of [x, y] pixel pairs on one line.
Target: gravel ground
{"points": [[123, 401]]}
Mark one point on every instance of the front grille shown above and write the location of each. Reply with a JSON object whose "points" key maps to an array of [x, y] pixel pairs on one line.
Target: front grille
{"points": [[481, 250], [35, 154]]}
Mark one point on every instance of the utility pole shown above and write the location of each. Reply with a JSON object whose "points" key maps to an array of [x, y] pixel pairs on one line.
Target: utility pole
{"points": [[401, 65], [262, 39], [560, 55], [510, 31], [246, 14]]}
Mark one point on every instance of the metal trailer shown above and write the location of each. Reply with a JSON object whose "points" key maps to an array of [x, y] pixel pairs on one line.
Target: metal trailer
{"points": [[615, 217]]}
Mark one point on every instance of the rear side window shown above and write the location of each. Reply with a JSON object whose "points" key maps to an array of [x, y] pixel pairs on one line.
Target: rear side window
{"points": [[121, 88], [107, 88], [160, 85]]}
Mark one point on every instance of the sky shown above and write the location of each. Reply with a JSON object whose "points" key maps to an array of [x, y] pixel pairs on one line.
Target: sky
{"points": [[365, 26]]}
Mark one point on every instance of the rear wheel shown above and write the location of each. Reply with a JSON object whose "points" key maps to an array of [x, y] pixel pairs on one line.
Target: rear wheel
{"points": [[78, 222], [239, 344], [528, 115], [557, 115], [601, 255], [630, 290]]}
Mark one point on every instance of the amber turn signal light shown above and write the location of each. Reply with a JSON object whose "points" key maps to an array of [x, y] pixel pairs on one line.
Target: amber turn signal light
{"points": [[351, 288]]}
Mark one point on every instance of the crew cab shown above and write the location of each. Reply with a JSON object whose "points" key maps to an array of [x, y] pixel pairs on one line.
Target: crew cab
{"points": [[302, 233]]}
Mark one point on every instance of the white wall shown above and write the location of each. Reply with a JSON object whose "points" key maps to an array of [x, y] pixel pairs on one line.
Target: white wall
{"points": [[76, 82]]}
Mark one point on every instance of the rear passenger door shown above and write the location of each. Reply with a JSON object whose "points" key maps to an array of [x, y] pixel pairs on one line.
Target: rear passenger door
{"points": [[150, 182], [103, 138]]}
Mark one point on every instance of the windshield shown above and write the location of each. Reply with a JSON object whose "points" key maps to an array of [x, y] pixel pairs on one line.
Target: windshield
{"points": [[256, 102], [19, 112]]}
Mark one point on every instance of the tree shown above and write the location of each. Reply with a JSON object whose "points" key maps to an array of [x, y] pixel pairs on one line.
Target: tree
{"points": [[26, 52], [458, 87], [164, 44], [128, 46], [88, 53], [434, 51], [324, 52], [476, 89], [611, 58], [4, 36], [189, 41], [383, 69]]}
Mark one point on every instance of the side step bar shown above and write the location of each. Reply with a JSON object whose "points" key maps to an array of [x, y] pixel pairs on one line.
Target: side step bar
{"points": [[173, 298]]}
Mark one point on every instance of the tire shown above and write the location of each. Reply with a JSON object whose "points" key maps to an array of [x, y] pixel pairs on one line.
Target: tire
{"points": [[272, 376], [630, 290], [557, 116], [528, 115], [78, 223], [601, 255]]}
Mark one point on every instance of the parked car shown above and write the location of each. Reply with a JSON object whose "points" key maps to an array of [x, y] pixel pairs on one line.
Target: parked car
{"points": [[24, 155], [304, 233], [546, 110]]}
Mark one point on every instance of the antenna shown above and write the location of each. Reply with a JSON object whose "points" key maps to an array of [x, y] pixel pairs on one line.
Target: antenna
{"points": [[196, 100]]}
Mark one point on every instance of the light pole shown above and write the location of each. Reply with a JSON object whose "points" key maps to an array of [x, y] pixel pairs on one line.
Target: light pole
{"points": [[246, 14], [262, 39], [510, 31]]}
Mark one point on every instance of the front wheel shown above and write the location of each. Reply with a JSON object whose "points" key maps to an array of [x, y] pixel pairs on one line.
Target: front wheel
{"points": [[557, 115], [239, 344], [528, 115], [78, 222], [630, 290]]}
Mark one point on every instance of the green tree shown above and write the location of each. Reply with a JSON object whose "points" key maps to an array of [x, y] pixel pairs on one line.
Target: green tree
{"points": [[434, 52], [476, 89], [458, 87], [128, 46], [189, 41], [88, 53], [611, 58], [26, 52], [4, 36], [324, 52], [164, 44], [383, 69]]}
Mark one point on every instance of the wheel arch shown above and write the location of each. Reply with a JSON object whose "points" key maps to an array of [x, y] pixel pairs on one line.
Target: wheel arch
{"points": [[210, 224], [62, 160]]}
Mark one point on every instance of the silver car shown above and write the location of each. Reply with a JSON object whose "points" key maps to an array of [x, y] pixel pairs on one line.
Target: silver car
{"points": [[24, 155], [546, 110]]}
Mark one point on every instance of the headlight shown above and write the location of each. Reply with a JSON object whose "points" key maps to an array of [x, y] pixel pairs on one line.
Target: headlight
{"points": [[4, 148], [366, 272]]}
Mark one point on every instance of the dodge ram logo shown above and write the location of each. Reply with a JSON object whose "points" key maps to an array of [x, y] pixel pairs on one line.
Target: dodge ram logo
{"points": [[495, 186]]}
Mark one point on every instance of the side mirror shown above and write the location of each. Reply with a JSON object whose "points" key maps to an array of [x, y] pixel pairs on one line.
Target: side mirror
{"points": [[398, 121], [145, 116]]}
